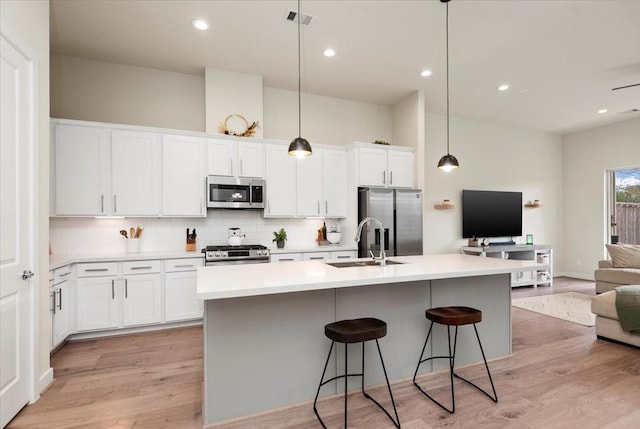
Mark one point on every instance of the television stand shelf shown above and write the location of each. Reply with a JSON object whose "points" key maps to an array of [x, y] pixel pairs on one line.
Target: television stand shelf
{"points": [[541, 253]]}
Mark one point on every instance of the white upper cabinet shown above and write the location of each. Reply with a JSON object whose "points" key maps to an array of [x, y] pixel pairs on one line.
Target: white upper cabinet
{"points": [[280, 182], [134, 173], [235, 158], [309, 186], [81, 171], [322, 184], [334, 174], [387, 167], [183, 176], [250, 159], [372, 167]]}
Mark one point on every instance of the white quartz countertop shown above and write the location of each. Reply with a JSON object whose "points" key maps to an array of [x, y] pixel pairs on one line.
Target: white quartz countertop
{"points": [[234, 281], [60, 260]]}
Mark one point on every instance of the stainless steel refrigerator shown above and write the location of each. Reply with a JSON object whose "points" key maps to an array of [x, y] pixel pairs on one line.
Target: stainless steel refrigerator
{"points": [[400, 211]]}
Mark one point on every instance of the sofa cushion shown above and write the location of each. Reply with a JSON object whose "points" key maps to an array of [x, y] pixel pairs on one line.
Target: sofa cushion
{"points": [[624, 255], [621, 276], [605, 305]]}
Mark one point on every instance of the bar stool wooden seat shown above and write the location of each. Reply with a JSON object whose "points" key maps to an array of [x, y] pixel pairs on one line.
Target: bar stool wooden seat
{"points": [[355, 331], [453, 316]]}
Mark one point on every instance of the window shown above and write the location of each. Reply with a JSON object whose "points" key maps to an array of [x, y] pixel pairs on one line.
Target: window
{"points": [[625, 206]]}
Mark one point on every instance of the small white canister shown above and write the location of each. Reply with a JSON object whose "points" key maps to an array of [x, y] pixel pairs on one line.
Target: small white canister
{"points": [[133, 245]]}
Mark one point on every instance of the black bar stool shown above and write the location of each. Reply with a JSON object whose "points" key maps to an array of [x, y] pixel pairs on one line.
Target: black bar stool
{"points": [[453, 316], [355, 331]]}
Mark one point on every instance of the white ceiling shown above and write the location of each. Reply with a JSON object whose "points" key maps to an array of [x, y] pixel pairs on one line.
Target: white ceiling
{"points": [[561, 58]]}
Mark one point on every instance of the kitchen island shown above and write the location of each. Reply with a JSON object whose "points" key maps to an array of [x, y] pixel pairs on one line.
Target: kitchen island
{"points": [[264, 343]]}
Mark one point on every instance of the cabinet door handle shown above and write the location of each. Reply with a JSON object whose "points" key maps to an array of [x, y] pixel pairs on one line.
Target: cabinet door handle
{"points": [[54, 301], [326, 207], [184, 266], [269, 206], [384, 177], [318, 206], [286, 260], [391, 177], [101, 203], [241, 169], [113, 290], [344, 257], [146, 267], [115, 206], [93, 270], [59, 299], [65, 274], [315, 258], [126, 288], [231, 165]]}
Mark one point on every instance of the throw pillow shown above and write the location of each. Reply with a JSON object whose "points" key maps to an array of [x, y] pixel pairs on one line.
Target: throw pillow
{"points": [[624, 255]]}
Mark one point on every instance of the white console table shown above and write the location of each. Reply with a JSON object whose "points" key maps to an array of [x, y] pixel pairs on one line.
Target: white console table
{"points": [[540, 253]]}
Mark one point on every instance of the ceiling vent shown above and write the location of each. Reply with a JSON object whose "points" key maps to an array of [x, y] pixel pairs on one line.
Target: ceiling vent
{"points": [[292, 16]]}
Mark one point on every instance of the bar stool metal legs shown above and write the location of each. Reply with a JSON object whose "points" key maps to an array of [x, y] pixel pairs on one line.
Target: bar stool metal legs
{"points": [[346, 375], [452, 357]]}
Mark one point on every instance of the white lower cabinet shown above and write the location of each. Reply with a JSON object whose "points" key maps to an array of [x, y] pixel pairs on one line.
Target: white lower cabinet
{"points": [[286, 257], [180, 288], [142, 300], [344, 254], [114, 295], [97, 303], [316, 256], [61, 298]]}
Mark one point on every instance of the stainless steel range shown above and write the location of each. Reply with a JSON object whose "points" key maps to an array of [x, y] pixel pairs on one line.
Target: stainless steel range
{"points": [[232, 255]]}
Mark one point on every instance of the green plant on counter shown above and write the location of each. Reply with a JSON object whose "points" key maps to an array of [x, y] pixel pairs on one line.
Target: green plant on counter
{"points": [[279, 235]]}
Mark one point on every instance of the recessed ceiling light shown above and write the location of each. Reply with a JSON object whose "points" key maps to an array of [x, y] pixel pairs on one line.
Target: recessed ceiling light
{"points": [[200, 24], [425, 73], [329, 52], [601, 111], [503, 87]]}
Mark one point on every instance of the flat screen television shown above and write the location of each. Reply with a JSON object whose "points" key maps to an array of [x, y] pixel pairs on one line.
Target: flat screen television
{"points": [[491, 214]]}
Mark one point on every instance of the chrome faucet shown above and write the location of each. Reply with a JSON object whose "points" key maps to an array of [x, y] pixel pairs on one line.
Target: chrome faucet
{"points": [[383, 255]]}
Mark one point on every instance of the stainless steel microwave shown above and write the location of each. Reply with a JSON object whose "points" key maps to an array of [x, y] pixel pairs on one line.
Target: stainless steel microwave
{"points": [[235, 193]]}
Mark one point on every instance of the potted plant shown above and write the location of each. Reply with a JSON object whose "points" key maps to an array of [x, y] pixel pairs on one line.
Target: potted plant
{"points": [[279, 237]]}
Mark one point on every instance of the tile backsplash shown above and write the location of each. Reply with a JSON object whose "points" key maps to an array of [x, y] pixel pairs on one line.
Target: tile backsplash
{"points": [[91, 235]]}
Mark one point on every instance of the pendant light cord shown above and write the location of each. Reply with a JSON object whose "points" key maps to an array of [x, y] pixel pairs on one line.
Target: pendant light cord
{"points": [[299, 86], [447, 38]]}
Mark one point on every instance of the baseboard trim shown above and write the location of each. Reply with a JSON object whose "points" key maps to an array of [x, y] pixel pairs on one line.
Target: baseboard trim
{"points": [[44, 381], [580, 276]]}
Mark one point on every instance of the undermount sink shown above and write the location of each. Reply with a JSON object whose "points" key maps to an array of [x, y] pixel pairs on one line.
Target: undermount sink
{"points": [[352, 264]]}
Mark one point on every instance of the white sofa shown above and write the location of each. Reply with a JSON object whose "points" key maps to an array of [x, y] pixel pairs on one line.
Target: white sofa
{"points": [[607, 322]]}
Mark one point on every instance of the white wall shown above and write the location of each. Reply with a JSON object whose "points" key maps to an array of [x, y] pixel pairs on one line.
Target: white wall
{"points": [[98, 91], [492, 157], [585, 158], [232, 93], [28, 21], [325, 120]]}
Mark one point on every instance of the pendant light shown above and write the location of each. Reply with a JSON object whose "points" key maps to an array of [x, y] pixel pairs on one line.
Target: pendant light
{"points": [[299, 147], [448, 162]]}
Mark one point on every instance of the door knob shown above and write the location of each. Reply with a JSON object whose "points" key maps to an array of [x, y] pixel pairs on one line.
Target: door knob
{"points": [[27, 274]]}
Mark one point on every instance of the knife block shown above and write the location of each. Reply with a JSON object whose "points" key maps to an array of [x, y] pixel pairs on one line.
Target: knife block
{"points": [[191, 245]]}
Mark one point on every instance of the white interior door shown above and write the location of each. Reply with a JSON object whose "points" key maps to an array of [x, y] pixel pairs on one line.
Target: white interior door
{"points": [[17, 250]]}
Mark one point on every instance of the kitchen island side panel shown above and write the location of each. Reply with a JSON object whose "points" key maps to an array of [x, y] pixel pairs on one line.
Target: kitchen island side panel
{"points": [[401, 306], [264, 352], [489, 294]]}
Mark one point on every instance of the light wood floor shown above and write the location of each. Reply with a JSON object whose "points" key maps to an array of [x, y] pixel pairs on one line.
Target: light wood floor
{"points": [[560, 376]]}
